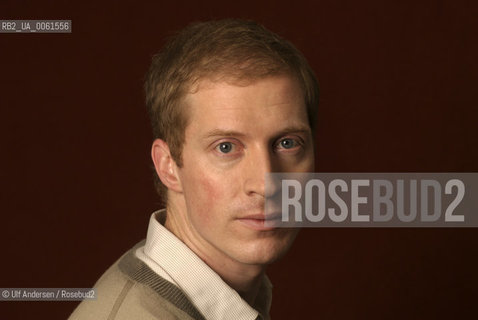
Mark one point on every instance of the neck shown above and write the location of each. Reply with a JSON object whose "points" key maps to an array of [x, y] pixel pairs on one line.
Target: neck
{"points": [[246, 279]]}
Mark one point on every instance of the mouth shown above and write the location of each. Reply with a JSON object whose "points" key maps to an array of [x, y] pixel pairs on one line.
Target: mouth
{"points": [[261, 222]]}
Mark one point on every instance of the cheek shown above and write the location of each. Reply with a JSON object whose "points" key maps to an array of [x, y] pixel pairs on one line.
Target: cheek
{"points": [[213, 187], [210, 192], [209, 188], [206, 195]]}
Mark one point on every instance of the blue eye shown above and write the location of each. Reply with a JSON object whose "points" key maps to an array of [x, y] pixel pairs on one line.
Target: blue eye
{"points": [[225, 147], [288, 143]]}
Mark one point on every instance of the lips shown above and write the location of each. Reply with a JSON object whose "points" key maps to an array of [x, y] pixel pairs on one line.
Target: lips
{"points": [[261, 216], [261, 222]]}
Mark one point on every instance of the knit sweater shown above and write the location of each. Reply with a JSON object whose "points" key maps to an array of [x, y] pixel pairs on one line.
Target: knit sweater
{"points": [[129, 289]]}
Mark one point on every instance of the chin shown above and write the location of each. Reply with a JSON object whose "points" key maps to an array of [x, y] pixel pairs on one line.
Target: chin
{"points": [[266, 251], [257, 258]]}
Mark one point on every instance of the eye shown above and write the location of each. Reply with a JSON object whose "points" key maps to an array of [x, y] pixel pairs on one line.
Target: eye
{"points": [[288, 143], [225, 147]]}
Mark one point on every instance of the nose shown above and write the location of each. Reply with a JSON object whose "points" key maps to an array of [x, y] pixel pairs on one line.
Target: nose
{"points": [[257, 180]]}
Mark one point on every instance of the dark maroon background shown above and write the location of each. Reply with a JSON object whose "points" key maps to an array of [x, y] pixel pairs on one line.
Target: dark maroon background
{"points": [[399, 93]]}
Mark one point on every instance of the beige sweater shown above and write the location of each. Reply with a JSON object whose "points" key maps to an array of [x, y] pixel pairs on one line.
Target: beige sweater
{"points": [[129, 289]]}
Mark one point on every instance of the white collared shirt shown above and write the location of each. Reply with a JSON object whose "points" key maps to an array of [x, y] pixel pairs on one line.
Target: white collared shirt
{"points": [[171, 259]]}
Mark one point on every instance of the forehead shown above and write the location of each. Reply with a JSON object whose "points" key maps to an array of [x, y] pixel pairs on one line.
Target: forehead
{"points": [[267, 103]]}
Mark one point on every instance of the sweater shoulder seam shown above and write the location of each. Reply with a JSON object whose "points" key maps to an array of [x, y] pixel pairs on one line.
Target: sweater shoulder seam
{"points": [[119, 300]]}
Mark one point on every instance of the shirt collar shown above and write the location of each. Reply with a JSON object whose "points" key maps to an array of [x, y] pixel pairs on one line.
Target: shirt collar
{"points": [[204, 287]]}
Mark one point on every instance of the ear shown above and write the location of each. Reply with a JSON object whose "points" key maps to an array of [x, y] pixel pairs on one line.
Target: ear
{"points": [[165, 165]]}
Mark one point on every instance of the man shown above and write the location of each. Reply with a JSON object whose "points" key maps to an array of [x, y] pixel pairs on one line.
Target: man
{"points": [[229, 102]]}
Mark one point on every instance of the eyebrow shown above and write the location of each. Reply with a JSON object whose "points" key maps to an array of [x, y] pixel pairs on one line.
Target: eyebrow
{"points": [[223, 133], [232, 133], [294, 129]]}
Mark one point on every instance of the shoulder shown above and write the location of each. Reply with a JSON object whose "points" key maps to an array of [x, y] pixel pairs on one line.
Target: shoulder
{"points": [[131, 290]]}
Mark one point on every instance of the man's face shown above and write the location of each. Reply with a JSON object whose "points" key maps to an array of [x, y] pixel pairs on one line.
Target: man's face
{"points": [[237, 134]]}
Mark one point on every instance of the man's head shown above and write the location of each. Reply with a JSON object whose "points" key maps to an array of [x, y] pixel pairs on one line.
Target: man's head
{"points": [[233, 51], [229, 101]]}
